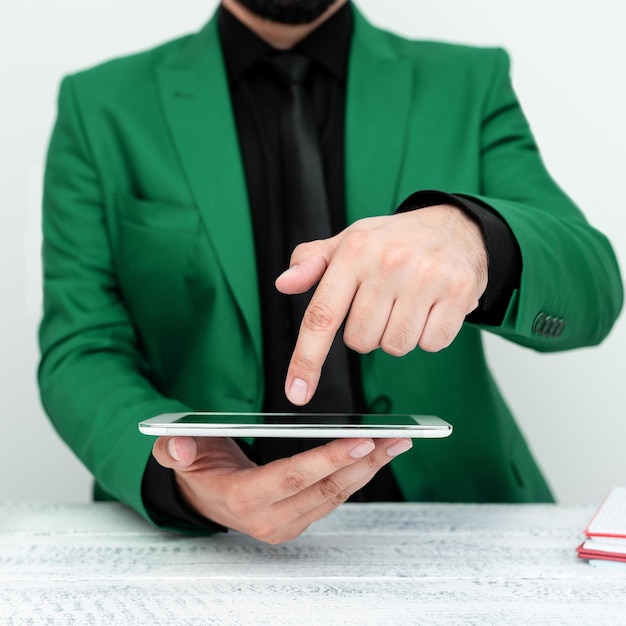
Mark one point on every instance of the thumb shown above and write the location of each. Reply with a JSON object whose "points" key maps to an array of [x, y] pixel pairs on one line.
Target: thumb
{"points": [[175, 452], [308, 264]]}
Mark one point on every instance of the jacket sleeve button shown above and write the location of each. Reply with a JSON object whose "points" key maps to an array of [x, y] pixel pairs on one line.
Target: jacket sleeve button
{"points": [[547, 327], [539, 323], [559, 327]]}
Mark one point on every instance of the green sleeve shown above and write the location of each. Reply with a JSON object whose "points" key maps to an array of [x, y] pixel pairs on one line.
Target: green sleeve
{"points": [[94, 383], [570, 274]]}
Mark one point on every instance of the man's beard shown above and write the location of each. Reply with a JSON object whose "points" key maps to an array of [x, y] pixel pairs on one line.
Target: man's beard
{"points": [[288, 11]]}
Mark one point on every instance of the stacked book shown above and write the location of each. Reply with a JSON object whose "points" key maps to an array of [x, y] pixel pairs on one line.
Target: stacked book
{"points": [[606, 532]]}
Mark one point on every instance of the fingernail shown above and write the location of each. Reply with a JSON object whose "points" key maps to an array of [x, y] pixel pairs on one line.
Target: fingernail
{"points": [[297, 391], [360, 450], [399, 447], [171, 449]]}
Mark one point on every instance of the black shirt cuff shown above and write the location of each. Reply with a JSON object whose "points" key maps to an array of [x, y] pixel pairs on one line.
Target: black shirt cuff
{"points": [[503, 252], [166, 505]]}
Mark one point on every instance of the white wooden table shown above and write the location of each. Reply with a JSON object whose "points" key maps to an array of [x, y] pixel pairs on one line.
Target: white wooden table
{"points": [[364, 564]]}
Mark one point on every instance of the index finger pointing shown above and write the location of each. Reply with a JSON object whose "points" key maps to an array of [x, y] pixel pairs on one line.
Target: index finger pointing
{"points": [[321, 321]]}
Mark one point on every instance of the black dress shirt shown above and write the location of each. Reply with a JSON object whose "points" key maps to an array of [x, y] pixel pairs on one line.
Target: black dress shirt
{"points": [[255, 97]]}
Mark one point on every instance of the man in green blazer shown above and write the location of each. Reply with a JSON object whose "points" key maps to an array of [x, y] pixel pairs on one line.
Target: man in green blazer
{"points": [[152, 292]]}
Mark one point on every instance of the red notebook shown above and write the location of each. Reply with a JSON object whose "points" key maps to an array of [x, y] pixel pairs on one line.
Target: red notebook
{"points": [[606, 532]]}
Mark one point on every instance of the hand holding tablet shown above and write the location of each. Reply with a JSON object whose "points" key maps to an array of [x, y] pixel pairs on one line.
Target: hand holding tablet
{"points": [[277, 501]]}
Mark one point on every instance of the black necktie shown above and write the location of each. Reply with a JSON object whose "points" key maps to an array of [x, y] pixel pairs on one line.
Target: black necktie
{"points": [[305, 203]]}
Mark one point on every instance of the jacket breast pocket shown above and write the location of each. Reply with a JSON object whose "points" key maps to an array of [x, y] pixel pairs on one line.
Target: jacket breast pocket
{"points": [[157, 215], [160, 259], [169, 279]]}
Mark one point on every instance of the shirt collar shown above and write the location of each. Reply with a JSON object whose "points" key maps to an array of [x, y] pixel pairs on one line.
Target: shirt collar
{"points": [[328, 44]]}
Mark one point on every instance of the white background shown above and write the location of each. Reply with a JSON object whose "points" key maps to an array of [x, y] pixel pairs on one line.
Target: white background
{"points": [[569, 71]]}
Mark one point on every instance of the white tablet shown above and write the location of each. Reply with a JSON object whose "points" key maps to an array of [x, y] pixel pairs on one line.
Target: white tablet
{"points": [[317, 425]]}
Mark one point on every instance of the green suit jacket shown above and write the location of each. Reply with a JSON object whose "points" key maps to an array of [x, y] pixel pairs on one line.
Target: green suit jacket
{"points": [[151, 302]]}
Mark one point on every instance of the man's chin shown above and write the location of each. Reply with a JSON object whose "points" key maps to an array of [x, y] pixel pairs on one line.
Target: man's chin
{"points": [[288, 11]]}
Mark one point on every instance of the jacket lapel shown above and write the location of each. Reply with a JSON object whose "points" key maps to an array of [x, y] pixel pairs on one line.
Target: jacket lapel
{"points": [[380, 89], [195, 94], [196, 100]]}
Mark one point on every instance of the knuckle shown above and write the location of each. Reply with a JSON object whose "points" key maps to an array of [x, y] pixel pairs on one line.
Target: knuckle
{"points": [[393, 347], [356, 242], [273, 533], [460, 284], [438, 339], [334, 454], [294, 480], [332, 492], [400, 340], [374, 462], [428, 266], [472, 306], [305, 247], [357, 342], [263, 530], [239, 501], [450, 274], [319, 316], [357, 331], [302, 251], [237, 507], [447, 333], [428, 344], [392, 259], [301, 362], [282, 535]]}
